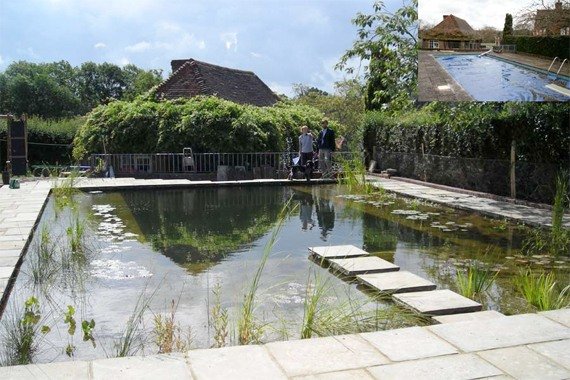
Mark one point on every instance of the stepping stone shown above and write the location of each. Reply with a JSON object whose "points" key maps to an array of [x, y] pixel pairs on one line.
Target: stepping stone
{"points": [[336, 252], [396, 282], [438, 302], [360, 265], [475, 316]]}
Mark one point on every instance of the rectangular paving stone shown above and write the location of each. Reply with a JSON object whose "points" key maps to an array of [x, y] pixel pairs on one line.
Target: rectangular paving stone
{"points": [[337, 252], [437, 302], [475, 316], [353, 374], [501, 332], [9, 261], [361, 265], [396, 282], [138, 367], [12, 245], [6, 272], [320, 355], [409, 344], [522, 362], [561, 316], [557, 351], [61, 370], [450, 367], [238, 362]]}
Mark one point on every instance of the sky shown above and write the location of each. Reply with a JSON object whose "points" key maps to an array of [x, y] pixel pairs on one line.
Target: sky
{"points": [[478, 13], [282, 41]]}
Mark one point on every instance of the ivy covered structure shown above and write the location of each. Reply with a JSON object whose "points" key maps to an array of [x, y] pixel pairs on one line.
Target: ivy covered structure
{"points": [[453, 33]]}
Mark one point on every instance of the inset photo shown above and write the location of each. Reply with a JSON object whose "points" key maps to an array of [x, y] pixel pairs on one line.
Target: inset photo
{"points": [[483, 50]]}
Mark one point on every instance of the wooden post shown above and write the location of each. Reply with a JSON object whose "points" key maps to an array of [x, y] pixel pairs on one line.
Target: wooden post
{"points": [[513, 179]]}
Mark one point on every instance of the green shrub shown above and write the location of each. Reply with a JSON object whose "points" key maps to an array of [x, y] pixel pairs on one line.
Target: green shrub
{"points": [[553, 46], [206, 124]]}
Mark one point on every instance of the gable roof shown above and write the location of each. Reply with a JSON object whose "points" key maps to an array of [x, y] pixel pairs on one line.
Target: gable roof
{"points": [[191, 78], [452, 27]]}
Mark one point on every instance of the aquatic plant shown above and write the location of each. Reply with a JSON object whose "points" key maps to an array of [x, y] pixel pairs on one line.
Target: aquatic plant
{"points": [[21, 334], [249, 329], [64, 191], [42, 266], [219, 319], [354, 174], [168, 335], [76, 237], [313, 295], [475, 281], [542, 291]]}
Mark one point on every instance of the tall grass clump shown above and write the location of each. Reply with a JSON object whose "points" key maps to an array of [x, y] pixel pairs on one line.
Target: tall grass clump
{"points": [[354, 174], [76, 237], [475, 281], [219, 319], [313, 296], [542, 291], [168, 335], [22, 334], [249, 329], [64, 191]]}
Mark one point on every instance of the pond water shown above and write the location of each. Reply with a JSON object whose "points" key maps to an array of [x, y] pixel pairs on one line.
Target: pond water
{"points": [[152, 248]]}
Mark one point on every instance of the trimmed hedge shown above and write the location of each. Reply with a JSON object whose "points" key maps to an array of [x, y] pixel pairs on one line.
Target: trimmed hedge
{"points": [[555, 46], [41, 135], [476, 130], [206, 124]]}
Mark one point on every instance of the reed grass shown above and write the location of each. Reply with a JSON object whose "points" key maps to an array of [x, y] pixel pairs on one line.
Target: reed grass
{"points": [[542, 291], [475, 281], [248, 328], [219, 319], [168, 335], [314, 293]]}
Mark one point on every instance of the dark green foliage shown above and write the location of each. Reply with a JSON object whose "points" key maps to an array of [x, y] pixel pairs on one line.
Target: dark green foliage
{"points": [[56, 131], [59, 90], [207, 124], [554, 46], [475, 130], [508, 28]]}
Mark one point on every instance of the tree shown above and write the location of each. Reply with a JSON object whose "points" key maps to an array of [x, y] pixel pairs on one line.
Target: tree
{"points": [[488, 34], [388, 42], [526, 16], [508, 28]]}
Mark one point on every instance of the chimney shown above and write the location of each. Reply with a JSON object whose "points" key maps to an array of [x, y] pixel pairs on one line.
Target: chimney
{"points": [[558, 6]]}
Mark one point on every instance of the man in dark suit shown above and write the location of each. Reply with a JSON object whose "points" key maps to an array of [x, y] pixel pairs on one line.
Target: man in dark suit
{"points": [[326, 145]]}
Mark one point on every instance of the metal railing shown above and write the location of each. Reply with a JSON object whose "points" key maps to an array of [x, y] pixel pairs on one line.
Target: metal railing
{"points": [[199, 163]]}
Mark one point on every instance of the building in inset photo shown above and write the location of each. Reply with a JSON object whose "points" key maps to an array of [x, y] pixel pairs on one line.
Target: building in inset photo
{"points": [[453, 33]]}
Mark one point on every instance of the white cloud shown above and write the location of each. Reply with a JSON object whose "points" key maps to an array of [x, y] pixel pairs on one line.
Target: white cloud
{"points": [[230, 40], [123, 61], [29, 52], [139, 47], [100, 45], [280, 88], [255, 55], [478, 13]]}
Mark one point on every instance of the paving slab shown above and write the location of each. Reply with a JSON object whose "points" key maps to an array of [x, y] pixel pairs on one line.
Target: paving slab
{"points": [[501, 332], [354, 374], [64, 370], [437, 302], [409, 344], [561, 316], [557, 351], [238, 362], [361, 265], [462, 317], [396, 282], [139, 367], [522, 362], [336, 252], [320, 355], [450, 367]]}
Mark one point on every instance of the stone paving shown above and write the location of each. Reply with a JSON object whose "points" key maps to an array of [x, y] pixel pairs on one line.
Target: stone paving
{"points": [[522, 347], [434, 83], [497, 209]]}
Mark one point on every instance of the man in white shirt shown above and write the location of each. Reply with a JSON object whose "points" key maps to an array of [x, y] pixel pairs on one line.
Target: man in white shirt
{"points": [[305, 145]]}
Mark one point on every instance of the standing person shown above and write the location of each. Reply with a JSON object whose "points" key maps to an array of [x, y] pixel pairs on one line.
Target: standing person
{"points": [[305, 145], [326, 145]]}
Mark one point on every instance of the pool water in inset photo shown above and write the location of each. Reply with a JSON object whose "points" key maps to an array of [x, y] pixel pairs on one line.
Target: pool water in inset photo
{"points": [[489, 79], [184, 245]]}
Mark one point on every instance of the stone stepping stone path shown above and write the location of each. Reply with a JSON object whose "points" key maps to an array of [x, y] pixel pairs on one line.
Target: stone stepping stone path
{"points": [[396, 282], [407, 289], [336, 252], [438, 302], [361, 265]]}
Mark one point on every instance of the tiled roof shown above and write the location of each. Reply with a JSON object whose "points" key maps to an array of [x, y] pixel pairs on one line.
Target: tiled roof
{"points": [[452, 27], [191, 78]]}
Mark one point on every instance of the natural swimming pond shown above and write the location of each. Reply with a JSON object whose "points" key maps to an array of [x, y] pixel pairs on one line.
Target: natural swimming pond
{"points": [[489, 79], [142, 250]]}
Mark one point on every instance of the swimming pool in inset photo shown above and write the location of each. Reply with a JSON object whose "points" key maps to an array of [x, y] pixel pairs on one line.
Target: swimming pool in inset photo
{"points": [[490, 79]]}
